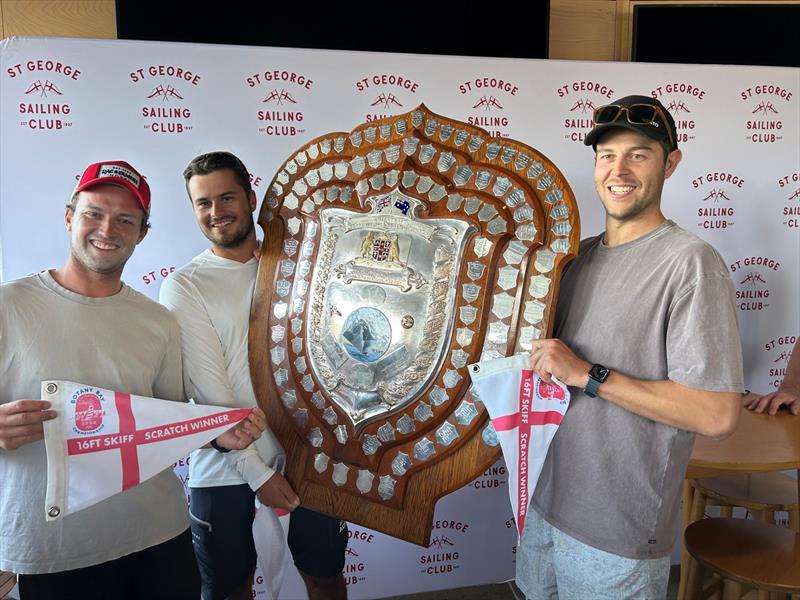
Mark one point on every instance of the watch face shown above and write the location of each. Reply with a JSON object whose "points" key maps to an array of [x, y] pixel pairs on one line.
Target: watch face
{"points": [[599, 372]]}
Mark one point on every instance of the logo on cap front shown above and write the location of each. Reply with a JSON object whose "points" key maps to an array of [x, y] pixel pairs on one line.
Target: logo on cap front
{"points": [[119, 172]]}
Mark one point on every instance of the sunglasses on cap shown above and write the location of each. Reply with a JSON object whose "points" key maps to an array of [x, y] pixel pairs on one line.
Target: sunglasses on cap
{"points": [[648, 115]]}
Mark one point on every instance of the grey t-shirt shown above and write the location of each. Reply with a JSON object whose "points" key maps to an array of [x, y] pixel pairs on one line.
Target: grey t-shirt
{"points": [[660, 307], [125, 343]]}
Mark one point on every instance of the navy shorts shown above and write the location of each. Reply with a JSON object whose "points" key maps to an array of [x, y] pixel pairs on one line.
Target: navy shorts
{"points": [[317, 542], [167, 571], [222, 533]]}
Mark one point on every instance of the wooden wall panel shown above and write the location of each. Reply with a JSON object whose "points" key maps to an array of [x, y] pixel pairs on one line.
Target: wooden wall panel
{"points": [[583, 29], [62, 18]]}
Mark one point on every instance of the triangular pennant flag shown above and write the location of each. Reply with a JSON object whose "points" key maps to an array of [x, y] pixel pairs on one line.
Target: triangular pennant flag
{"points": [[270, 531], [525, 413], [103, 442]]}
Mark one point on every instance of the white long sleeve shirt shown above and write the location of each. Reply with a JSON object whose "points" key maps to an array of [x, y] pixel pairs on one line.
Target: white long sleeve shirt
{"points": [[210, 297]]}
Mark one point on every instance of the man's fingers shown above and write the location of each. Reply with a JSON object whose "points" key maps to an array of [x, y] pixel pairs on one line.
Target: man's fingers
{"points": [[23, 406], [12, 443]]}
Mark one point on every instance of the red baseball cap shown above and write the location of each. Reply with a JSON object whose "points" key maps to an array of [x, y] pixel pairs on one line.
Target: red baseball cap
{"points": [[116, 172]]}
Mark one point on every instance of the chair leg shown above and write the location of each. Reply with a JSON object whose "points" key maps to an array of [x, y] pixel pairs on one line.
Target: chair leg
{"points": [[694, 580], [687, 495], [732, 590]]}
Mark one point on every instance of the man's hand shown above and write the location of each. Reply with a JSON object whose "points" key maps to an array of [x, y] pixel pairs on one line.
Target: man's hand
{"points": [[21, 422], [277, 493], [552, 357], [772, 402], [245, 433]]}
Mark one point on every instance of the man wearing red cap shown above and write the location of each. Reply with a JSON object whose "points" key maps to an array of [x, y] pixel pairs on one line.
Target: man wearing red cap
{"points": [[646, 337], [80, 322]]}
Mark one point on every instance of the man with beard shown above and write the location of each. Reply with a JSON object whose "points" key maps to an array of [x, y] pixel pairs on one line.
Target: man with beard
{"points": [[646, 337], [80, 322], [211, 297]]}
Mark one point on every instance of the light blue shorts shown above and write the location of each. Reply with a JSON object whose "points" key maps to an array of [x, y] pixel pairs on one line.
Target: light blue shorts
{"points": [[552, 565]]}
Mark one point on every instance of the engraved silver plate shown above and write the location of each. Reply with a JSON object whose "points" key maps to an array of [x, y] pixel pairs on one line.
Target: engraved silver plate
{"points": [[281, 377], [312, 177], [386, 432], [291, 202], [560, 246], [392, 153], [562, 228], [325, 146], [301, 159], [446, 433], [498, 333], [374, 158], [426, 153], [526, 232], [515, 198], [475, 142], [297, 345], [451, 378], [289, 399], [302, 287], [301, 418], [391, 177], [498, 225], [280, 309], [459, 358], [489, 435], [560, 211], [289, 248], [300, 187], [405, 425], [330, 416], [355, 138], [307, 382], [340, 471], [472, 205], [424, 449], [410, 145], [332, 193], [554, 195], [487, 212], [475, 270], [464, 336], [377, 181], [454, 202], [492, 150], [277, 333], [545, 260], [401, 127], [523, 213], [298, 305], [304, 269], [362, 187], [300, 364], [501, 186], [283, 177], [340, 169], [293, 225], [386, 130], [364, 481], [503, 305], [340, 432], [338, 144], [461, 137], [409, 178], [370, 444], [318, 400], [287, 266], [535, 170], [315, 437], [291, 166], [445, 162], [424, 184], [482, 179], [401, 464], [445, 132], [467, 314], [463, 173], [313, 151], [527, 335], [470, 292], [437, 193], [482, 246], [386, 487], [465, 413], [539, 286], [507, 277], [369, 134], [508, 154], [358, 164], [278, 354], [534, 311], [321, 462], [545, 181], [423, 412], [430, 127], [438, 396]]}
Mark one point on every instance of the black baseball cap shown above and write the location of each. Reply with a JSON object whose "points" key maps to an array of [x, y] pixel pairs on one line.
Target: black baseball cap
{"points": [[661, 127]]}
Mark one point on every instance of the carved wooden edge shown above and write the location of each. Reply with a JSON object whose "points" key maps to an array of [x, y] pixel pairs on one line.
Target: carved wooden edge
{"points": [[464, 463]]}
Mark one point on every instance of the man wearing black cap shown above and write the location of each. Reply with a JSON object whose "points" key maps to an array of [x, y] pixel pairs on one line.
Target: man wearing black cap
{"points": [[80, 322], [646, 337]]}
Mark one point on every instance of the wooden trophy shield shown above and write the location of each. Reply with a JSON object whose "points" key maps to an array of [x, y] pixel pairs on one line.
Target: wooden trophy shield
{"points": [[394, 256]]}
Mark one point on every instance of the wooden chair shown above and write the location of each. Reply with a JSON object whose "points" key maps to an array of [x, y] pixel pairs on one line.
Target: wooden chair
{"points": [[745, 554], [7, 582]]}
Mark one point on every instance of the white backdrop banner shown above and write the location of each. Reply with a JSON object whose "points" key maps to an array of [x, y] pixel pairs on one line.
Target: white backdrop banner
{"points": [[65, 103]]}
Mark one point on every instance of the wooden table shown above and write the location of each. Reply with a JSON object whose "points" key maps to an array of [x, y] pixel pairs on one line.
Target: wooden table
{"points": [[760, 443]]}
